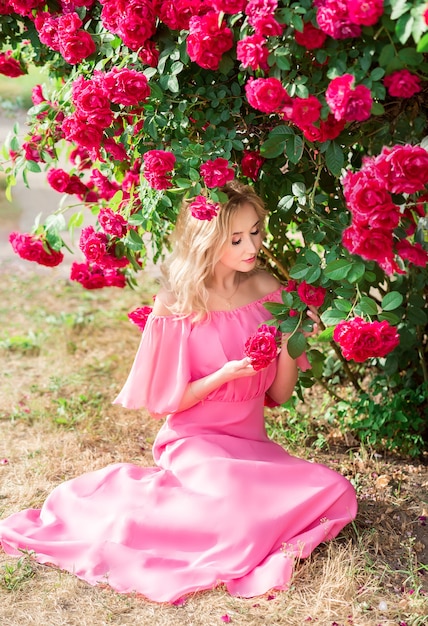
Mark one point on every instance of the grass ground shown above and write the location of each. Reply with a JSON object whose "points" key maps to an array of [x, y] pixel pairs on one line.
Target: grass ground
{"points": [[65, 353]]}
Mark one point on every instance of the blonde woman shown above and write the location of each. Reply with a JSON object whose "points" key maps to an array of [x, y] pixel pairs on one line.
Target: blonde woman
{"points": [[223, 504]]}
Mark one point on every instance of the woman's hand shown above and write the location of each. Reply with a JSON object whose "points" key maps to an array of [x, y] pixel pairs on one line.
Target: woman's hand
{"points": [[312, 313], [238, 369]]}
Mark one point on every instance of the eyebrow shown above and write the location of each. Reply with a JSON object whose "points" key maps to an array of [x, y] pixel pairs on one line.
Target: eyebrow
{"points": [[240, 232]]}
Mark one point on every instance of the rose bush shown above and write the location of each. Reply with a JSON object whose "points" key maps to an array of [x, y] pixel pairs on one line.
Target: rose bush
{"points": [[321, 105]]}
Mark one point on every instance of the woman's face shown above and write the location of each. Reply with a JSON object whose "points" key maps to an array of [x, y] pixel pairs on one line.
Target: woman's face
{"points": [[240, 251]]}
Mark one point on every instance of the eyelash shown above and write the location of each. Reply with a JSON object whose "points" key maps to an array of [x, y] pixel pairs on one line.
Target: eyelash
{"points": [[235, 243]]}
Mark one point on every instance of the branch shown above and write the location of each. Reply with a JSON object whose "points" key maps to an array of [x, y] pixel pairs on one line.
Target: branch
{"points": [[275, 261]]}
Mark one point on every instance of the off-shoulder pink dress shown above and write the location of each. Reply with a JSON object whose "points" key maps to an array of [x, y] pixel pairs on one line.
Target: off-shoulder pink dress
{"points": [[224, 504]]}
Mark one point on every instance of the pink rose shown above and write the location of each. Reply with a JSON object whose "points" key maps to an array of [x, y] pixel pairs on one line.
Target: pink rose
{"points": [[306, 110], [112, 223], [76, 187], [266, 95], [115, 150], [369, 201], [217, 172], [149, 54], [331, 128], [311, 37], [262, 347], [363, 12], [176, 14], [310, 294], [333, 18], [208, 40], [47, 28], [95, 277], [32, 248], [291, 286], [75, 47], [360, 340], [374, 244], [251, 163], [126, 86], [404, 169], [92, 102], [414, 253], [229, 6], [202, 209], [37, 96], [6, 8], [106, 188], [252, 51], [402, 84], [25, 7], [68, 24], [139, 316], [348, 102], [157, 167], [10, 66]]}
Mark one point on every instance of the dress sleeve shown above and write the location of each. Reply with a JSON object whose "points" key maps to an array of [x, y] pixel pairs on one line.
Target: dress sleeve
{"points": [[161, 369]]}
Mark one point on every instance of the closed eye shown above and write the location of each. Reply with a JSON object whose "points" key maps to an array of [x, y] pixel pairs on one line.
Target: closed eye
{"points": [[254, 233]]}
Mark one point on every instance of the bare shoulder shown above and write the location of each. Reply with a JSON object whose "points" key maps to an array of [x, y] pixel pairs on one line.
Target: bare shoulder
{"points": [[163, 302], [261, 283]]}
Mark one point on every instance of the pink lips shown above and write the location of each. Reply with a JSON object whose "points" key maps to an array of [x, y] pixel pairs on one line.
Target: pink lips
{"points": [[253, 258]]}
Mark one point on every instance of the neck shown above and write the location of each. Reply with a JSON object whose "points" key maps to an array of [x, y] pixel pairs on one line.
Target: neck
{"points": [[224, 288]]}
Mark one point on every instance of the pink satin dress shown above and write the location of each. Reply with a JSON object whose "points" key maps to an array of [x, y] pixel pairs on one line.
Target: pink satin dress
{"points": [[223, 504]]}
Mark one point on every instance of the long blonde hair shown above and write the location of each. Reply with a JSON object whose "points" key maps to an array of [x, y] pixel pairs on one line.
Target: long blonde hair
{"points": [[197, 248]]}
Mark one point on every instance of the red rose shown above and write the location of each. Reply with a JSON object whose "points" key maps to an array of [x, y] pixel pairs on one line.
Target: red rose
{"points": [[363, 12], [348, 102], [267, 95], [253, 52], [115, 150], [127, 87], [251, 163], [112, 223], [202, 209], [333, 18], [360, 340], [25, 7], [106, 188], [58, 179], [139, 316], [93, 244], [331, 128], [157, 167], [310, 38], [217, 172], [32, 248], [369, 202], [404, 169], [149, 54], [414, 253], [10, 66], [208, 40], [229, 6], [402, 84], [75, 47], [95, 277], [306, 110], [261, 348], [310, 294], [87, 135]]}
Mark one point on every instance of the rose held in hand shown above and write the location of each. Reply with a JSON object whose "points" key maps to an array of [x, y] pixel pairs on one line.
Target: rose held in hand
{"points": [[261, 348]]}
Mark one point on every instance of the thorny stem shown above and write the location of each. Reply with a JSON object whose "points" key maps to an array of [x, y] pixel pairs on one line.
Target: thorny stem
{"points": [[315, 185], [330, 391], [275, 261], [423, 364]]}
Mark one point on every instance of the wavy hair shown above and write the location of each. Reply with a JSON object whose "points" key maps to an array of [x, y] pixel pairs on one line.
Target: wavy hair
{"points": [[197, 246]]}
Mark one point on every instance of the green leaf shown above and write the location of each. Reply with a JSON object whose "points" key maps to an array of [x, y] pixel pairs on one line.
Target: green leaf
{"points": [[312, 274], [287, 299], [403, 28], [357, 271], [399, 7], [299, 271], [343, 305], [133, 241], [332, 317], [334, 158], [294, 147], [33, 166], [339, 269], [392, 318], [273, 147], [368, 306], [409, 56], [423, 44], [296, 345], [275, 307], [386, 55], [289, 325], [391, 301], [326, 334]]}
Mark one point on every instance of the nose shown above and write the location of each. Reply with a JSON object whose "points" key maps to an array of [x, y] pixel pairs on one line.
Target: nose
{"points": [[251, 246]]}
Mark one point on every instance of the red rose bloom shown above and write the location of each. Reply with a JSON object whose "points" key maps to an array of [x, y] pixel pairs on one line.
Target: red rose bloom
{"points": [[251, 163], [139, 316], [217, 172], [10, 66], [112, 223], [208, 40], [306, 111], [310, 38], [202, 209], [93, 244], [333, 18], [404, 169], [267, 95], [348, 102], [32, 248], [310, 294], [127, 87], [402, 84], [360, 340], [261, 348], [157, 167], [253, 52], [95, 277], [75, 47], [414, 253], [58, 179], [363, 12], [87, 135]]}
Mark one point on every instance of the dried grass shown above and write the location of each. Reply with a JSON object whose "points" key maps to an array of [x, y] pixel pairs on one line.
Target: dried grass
{"points": [[363, 578]]}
